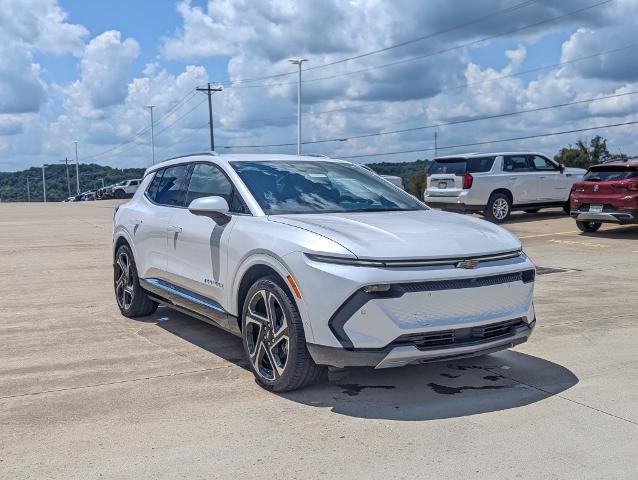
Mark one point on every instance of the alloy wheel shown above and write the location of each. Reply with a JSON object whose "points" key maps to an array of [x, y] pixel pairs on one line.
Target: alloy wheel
{"points": [[500, 208], [124, 281], [266, 335]]}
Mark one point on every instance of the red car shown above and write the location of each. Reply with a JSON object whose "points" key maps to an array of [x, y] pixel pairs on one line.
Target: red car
{"points": [[608, 193]]}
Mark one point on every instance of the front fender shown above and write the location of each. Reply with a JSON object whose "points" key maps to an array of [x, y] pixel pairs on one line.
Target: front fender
{"points": [[278, 265]]}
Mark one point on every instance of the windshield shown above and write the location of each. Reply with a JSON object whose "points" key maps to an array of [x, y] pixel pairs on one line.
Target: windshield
{"points": [[285, 187], [461, 165], [605, 174]]}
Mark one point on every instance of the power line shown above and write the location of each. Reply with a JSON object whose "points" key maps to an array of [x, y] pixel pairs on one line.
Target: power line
{"points": [[431, 54], [437, 125], [390, 47], [144, 130], [488, 142]]}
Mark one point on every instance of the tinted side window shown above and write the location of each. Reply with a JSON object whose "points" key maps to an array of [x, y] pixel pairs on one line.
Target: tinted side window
{"points": [[480, 165], [208, 180], [171, 190], [153, 187], [516, 163], [541, 163]]}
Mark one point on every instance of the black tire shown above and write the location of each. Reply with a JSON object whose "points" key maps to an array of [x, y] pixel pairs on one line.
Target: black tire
{"points": [[532, 210], [119, 194], [588, 227], [131, 298], [567, 209], [498, 208], [274, 340]]}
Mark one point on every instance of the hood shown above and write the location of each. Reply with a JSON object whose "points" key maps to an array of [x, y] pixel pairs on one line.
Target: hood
{"points": [[422, 234]]}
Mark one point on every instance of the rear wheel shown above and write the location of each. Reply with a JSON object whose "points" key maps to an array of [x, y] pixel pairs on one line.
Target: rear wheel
{"points": [[131, 297], [274, 340], [588, 227], [498, 208], [119, 194]]}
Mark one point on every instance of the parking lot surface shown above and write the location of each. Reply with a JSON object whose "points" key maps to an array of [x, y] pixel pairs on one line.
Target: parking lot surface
{"points": [[85, 392]]}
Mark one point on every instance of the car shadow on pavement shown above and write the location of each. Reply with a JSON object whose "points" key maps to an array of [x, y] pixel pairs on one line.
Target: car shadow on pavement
{"points": [[522, 217], [495, 382], [623, 232]]}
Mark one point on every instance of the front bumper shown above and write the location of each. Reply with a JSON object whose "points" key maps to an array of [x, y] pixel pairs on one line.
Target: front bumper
{"points": [[401, 355]]}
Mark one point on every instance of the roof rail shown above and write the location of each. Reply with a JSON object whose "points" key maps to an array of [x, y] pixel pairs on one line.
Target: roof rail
{"points": [[316, 155]]}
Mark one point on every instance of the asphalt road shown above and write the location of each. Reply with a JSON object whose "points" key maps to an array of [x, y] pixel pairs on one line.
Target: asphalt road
{"points": [[87, 393]]}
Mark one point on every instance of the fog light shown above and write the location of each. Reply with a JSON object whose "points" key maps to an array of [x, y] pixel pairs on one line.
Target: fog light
{"points": [[376, 288]]}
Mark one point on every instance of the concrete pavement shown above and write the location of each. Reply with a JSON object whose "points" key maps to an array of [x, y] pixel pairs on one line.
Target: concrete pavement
{"points": [[85, 392]]}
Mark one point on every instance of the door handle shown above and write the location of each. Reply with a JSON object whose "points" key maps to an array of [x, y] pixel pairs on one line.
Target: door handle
{"points": [[513, 178], [174, 229], [542, 177]]}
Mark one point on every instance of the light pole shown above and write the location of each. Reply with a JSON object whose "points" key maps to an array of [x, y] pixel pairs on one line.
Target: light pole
{"points": [[28, 191], [77, 168], [151, 107], [44, 183], [298, 62], [68, 179]]}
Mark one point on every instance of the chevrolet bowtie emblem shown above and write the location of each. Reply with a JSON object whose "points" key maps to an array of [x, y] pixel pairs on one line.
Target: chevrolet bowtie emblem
{"points": [[467, 264]]}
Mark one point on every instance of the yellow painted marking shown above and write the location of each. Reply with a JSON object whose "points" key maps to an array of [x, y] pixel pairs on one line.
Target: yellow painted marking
{"points": [[550, 234], [576, 242], [571, 232]]}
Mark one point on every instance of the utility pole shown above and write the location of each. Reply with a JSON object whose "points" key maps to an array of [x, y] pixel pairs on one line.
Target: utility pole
{"points": [[77, 168], [209, 91], [436, 144], [151, 107], [102, 182], [298, 62], [44, 184], [28, 191], [68, 179]]}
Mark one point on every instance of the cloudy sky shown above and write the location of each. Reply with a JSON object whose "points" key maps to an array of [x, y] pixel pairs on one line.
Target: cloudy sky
{"points": [[79, 70]]}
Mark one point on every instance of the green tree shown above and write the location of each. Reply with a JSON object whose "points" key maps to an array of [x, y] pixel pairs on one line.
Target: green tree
{"points": [[582, 155]]}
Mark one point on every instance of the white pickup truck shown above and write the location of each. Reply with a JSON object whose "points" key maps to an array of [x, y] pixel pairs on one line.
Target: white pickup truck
{"points": [[497, 183]]}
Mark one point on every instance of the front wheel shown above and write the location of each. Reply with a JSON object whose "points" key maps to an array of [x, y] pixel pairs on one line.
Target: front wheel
{"points": [[274, 340], [119, 194], [131, 297], [588, 227], [498, 208]]}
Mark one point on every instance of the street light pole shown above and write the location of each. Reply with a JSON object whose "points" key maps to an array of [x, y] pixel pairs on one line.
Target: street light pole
{"points": [[298, 62], [77, 168], [151, 107], [44, 184], [28, 191]]}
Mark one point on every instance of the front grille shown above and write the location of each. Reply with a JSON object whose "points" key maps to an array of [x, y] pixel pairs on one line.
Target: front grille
{"points": [[525, 276], [459, 336]]}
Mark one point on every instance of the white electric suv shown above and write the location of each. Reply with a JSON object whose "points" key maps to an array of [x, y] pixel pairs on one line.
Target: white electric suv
{"points": [[318, 262]]}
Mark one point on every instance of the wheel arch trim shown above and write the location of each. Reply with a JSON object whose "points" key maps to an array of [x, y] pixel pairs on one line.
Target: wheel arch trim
{"points": [[281, 269]]}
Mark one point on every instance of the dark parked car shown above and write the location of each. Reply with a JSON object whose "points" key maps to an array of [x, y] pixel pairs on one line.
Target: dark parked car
{"points": [[608, 193]]}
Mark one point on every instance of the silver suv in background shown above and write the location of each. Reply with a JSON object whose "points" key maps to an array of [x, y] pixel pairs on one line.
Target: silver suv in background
{"points": [[497, 183]]}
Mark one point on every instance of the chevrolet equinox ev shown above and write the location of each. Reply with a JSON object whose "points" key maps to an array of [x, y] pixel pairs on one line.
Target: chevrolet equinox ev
{"points": [[318, 262]]}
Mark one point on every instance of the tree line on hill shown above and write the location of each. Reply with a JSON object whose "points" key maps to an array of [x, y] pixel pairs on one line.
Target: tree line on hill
{"points": [[13, 185]]}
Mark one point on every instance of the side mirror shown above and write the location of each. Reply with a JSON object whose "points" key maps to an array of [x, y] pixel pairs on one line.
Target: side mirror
{"points": [[561, 167], [213, 207]]}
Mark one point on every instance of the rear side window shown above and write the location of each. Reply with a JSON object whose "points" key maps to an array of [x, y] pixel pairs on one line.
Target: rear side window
{"points": [[606, 174], [171, 189], [448, 165], [480, 164], [461, 165], [154, 186]]}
